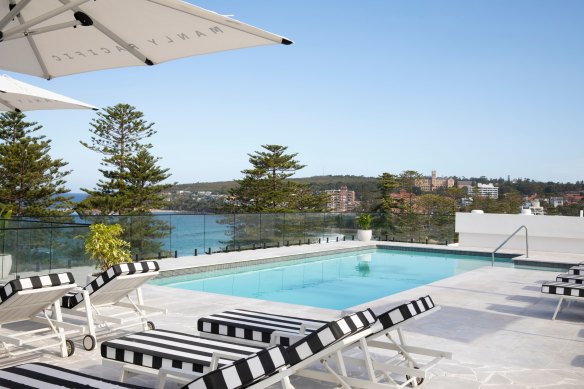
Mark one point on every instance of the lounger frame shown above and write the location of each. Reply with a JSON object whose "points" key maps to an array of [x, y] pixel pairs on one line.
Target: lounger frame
{"points": [[113, 306], [25, 305]]}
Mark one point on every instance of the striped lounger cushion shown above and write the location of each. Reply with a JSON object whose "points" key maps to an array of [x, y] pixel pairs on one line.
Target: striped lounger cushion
{"points": [[34, 282], [563, 289], [243, 372], [329, 334], [571, 278], [41, 375], [73, 298], [577, 270], [257, 326], [405, 311], [159, 348]]}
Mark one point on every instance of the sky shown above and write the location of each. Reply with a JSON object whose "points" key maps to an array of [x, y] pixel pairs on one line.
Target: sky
{"points": [[464, 87]]}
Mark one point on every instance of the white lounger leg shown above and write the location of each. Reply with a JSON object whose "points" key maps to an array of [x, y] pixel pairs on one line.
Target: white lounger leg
{"points": [[89, 313], [558, 308]]}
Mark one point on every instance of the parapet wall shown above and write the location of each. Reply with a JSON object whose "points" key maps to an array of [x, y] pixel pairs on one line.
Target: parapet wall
{"points": [[546, 233]]}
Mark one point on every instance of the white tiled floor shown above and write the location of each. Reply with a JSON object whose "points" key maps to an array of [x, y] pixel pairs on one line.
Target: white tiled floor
{"points": [[494, 320]]}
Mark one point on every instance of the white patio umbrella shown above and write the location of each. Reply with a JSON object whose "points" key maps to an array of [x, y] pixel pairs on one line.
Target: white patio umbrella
{"points": [[52, 38], [19, 96]]}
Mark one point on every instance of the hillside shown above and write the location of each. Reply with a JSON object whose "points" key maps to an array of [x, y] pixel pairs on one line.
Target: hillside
{"points": [[357, 183]]}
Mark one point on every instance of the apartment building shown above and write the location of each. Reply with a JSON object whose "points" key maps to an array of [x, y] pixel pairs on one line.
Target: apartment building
{"points": [[341, 200]]}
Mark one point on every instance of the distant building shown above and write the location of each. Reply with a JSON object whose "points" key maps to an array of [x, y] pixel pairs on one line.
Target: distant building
{"points": [[485, 190], [429, 184], [464, 184], [556, 201], [532, 207], [573, 198], [341, 200]]}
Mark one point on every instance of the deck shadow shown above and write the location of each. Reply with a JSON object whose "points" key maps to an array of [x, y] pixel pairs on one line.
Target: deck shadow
{"points": [[578, 361]]}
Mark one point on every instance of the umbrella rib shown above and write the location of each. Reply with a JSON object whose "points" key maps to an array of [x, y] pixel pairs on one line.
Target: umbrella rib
{"points": [[114, 37], [36, 52], [42, 18], [15, 10]]}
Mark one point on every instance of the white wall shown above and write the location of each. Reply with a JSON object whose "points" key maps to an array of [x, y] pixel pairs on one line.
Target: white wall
{"points": [[546, 233]]}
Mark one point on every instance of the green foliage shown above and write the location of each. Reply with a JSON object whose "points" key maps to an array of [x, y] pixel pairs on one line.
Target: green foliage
{"points": [[266, 187], [5, 212], [31, 182], [131, 178], [105, 247], [364, 221]]}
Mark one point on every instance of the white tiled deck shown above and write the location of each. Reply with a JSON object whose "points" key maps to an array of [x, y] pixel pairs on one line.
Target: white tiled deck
{"points": [[494, 320]]}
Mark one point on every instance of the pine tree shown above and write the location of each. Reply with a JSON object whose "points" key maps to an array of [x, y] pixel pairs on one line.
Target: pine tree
{"points": [[131, 178], [142, 188], [32, 183], [266, 188]]}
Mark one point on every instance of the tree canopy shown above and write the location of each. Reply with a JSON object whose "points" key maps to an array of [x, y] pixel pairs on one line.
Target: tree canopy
{"points": [[32, 183], [132, 180], [265, 187]]}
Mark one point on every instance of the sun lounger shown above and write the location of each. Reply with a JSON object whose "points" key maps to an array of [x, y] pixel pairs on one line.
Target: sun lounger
{"points": [[577, 270], [178, 356], [241, 373], [42, 375], [404, 364], [269, 328], [25, 299], [107, 300], [566, 290], [256, 327], [570, 278]]}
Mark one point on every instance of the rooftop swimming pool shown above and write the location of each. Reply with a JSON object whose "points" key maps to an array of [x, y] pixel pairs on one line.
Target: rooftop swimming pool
{"points": [[335, 281]]}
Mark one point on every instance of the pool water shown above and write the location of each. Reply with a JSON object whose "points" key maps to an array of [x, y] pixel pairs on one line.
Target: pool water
{"points": [[334, 282]]}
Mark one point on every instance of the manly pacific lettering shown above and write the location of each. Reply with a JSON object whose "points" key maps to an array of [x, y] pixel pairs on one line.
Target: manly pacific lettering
{"points": [[165, 40]]}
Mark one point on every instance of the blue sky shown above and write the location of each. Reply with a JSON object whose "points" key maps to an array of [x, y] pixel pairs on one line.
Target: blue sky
{"points": [[465, 87]]}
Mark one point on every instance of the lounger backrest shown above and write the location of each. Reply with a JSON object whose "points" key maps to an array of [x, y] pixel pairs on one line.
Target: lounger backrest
{"points": [[405, 311], [577, 270], [114, 284], [243, 372], [329, 334], [23, 298]]}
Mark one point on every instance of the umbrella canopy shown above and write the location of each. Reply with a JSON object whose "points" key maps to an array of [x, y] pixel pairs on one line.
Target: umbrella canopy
{"points": [[19, 96], [52, 38]]}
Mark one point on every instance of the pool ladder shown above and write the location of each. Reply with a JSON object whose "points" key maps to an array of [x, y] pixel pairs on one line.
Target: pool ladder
{"points": [[507, 240]]}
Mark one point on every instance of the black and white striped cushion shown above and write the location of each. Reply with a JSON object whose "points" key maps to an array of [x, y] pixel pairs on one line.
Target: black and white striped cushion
{"points": [[405, 311], [253, 325], [571, 278], [577, 270], [329, 334], [34, 282], [41, 375], [75, 297], [563, 288], [160, 348], [243, 372]]}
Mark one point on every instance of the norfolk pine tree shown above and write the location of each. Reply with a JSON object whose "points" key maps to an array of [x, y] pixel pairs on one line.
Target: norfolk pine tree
{"points": [[131, 178], [31, 182], [266, 188]]}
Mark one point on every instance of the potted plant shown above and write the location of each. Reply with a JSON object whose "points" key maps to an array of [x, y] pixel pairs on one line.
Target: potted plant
{"points": [[6, 265], [105, 247], [364, 232]]}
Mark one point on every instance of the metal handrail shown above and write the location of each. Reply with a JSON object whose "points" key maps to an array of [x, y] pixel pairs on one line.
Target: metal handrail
{"points": [[507, 240]]}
